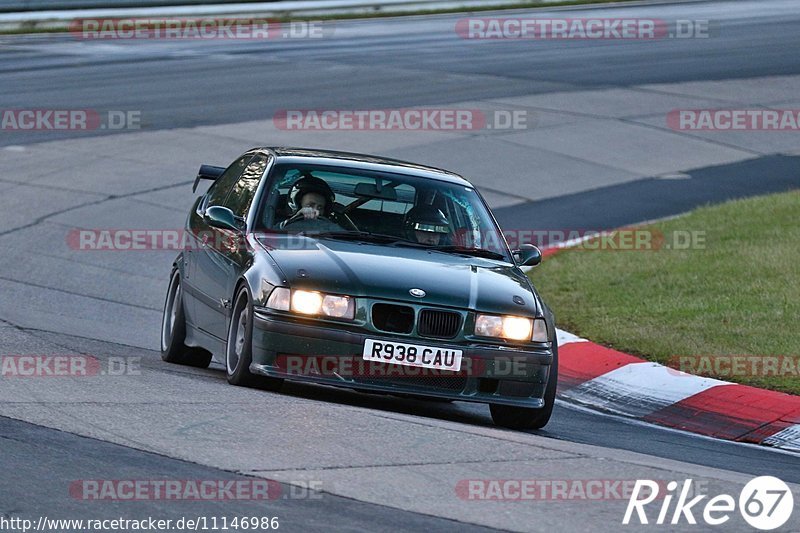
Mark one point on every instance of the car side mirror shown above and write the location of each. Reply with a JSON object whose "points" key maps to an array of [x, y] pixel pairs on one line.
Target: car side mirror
{"points": [[221, 217], [528, 255]]}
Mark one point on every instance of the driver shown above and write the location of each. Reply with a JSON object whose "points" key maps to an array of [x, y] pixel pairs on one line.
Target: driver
{"points": [[313, 200], [426, 225]]}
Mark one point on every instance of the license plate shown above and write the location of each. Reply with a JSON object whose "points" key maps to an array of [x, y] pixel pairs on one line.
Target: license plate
{"points": [[400, 353]]}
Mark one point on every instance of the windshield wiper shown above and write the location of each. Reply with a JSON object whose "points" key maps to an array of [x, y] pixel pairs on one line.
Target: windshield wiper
{"points": [[383, 238], [380, 238], [477, 252], [359, 236]]}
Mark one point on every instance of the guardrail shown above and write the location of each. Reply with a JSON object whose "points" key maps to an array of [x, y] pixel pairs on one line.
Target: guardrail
{"points": [[56, 18], [9, 6], [33, 6]]}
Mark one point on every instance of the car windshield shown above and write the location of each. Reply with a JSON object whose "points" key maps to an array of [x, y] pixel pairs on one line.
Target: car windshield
{"points": [[387, 208]]}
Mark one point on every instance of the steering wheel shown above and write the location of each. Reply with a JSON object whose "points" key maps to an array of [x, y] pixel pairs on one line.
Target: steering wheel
{"points": [[340, 216], [298, 217], [314, 225]]}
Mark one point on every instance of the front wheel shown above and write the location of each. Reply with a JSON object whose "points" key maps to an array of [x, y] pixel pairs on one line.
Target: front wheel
{"points": [[239, 348], [524, 417], [173, 330]]}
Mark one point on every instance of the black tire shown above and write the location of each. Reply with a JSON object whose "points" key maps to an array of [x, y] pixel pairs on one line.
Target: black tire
{"points": [[173, 330], [513, 417], [239, 347]]}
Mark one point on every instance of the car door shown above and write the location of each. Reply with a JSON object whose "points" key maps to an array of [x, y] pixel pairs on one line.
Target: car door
{"points": [[224, 256], [197, 301]]}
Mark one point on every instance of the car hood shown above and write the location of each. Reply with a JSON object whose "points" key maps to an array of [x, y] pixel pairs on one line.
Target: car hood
{"points": [[389, 272]]}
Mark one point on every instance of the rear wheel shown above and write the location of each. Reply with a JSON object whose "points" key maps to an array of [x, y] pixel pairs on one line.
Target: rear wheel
{"points": [[239, 348], [524, 417], [173, 330]]}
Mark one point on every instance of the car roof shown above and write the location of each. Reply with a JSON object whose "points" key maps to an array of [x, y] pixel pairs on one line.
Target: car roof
{"points": [[361, 161]]}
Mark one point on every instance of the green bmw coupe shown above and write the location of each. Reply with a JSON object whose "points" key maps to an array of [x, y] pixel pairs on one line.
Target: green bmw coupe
{"points": [[363, 272]]}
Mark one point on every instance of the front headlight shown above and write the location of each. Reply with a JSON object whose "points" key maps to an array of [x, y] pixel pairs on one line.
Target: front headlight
{"points": [[311, 303], [279, 299], [489, 326], [511, 327], [539, 330], [338, 306], [306, 302], [517, 328]]}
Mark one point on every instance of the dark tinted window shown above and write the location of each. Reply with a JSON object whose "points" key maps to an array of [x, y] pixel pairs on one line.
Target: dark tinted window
{"points": [[379, 202], [219, 192], [243, 191]]}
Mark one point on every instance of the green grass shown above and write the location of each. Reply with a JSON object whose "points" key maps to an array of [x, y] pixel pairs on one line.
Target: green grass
{"points": [[737, 295], [36, 28]]}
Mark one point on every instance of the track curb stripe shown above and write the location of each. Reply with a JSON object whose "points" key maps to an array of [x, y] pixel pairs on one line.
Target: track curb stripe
{"points": [[619, 383], [579, 362]]}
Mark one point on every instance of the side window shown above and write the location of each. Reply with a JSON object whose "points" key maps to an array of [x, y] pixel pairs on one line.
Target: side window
{"points": [[244, 190], [221, 188]]}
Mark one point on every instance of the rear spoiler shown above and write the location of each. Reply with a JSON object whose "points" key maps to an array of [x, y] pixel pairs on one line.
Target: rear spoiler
{"points": [[207, 172]]}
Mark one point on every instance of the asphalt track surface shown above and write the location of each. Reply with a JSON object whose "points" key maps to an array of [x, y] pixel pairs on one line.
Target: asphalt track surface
{"points": [[383, 64], [55, 303]]}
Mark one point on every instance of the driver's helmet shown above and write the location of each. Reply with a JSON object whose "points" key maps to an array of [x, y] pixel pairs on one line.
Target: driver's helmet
{"points": [[307, 184], [426, 218]]}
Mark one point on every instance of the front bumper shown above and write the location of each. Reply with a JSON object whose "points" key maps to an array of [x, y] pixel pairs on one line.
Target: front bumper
{"points": [[282, 348]]}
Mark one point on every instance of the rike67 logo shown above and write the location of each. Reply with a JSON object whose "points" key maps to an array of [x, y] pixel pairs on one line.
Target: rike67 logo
{"points": [[765, 503]]}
